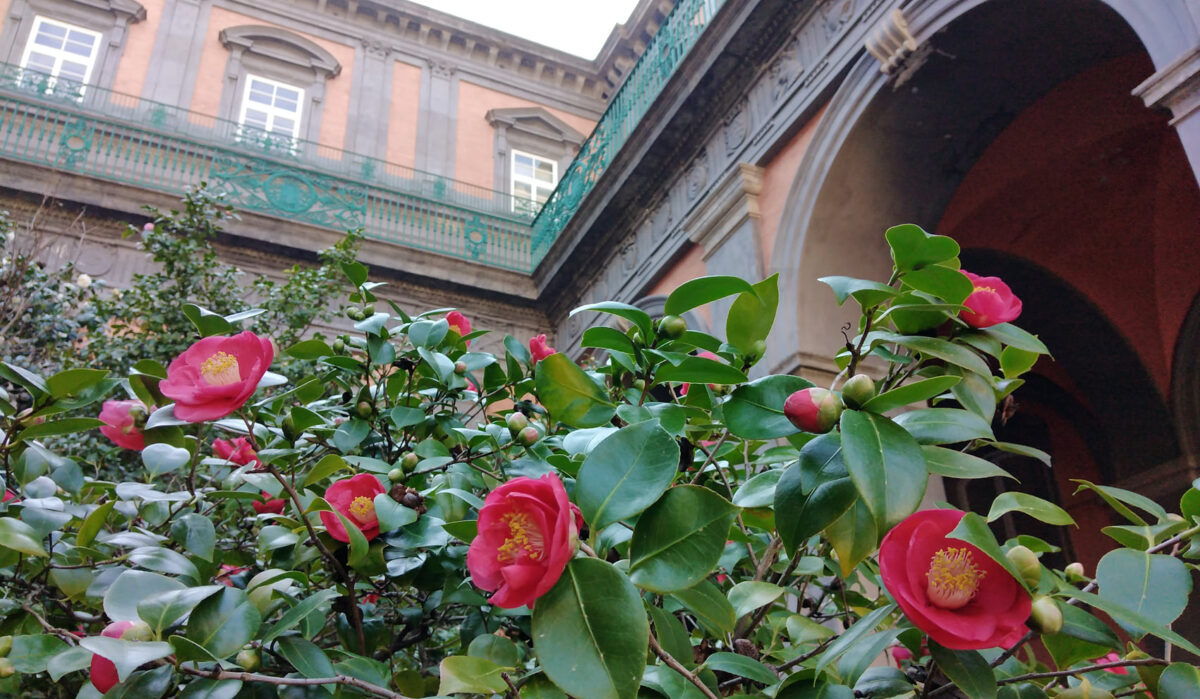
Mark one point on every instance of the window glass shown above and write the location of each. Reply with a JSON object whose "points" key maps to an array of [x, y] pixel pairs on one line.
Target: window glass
{"points": [[533, 179], [60, 50], [271, 106]]}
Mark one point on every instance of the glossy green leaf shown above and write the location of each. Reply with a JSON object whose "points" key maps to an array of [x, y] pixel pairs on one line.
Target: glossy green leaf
{"points": [[633, 314], [67, 661], [950, 285], [31, 654], [1130, 619], [944, 425], [207, 323], [700, 370], [1039, 509], [20, 537], [709, 605], [211, 689], [607, 338], [755, 410], [752, 314], [1179, 681], [1022, 450], [69, 425], [164, 560], [1013, 336], [853, 536], [752, 594], [886, 465], [590, 632], [164, 609], [801, 629], [626, 473], [698, 292], [224, 622], [147, 684], [938, 348], [392, 515], [741, 666], [93, 523], [1155, 586], [327, 466], [805, 688], [913, 248], [1015, 361], [297, 613], [307, 657], [71, 381], [967, 669], [975, 393], [759, 491], [679, 539], [853, 635], [1083, 637], [813, 492], [910, 393], [121, 599], [868, 293], [1118, 498], [126, 655], [497, 649], [671, 635], [310, 349], [955, 464], [570, 395], [195, 533], [855, 661], [470, 675]]}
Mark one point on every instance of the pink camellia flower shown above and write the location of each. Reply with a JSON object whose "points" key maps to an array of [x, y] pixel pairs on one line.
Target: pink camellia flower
{"points": [[1112, 657], [813, 410], [948, 588], [991, 303], [10, 496], [528, 530], [900, 653], [104, 673], [539, 349], [683, 388], [459, 324], [268, 505], [239, 451], [217, 375], [355, 499], [120, 423], [225, 577]]}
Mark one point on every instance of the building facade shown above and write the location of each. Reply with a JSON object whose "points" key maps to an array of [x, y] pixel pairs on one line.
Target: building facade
{"points": [[1057, 141]]}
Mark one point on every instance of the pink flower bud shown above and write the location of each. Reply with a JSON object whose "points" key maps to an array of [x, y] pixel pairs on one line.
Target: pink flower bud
{"points": [[813, 410]]}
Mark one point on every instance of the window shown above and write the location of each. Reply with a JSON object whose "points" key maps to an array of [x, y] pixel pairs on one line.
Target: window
{"points": [[61, 51], [533, 179], [271, 111]]}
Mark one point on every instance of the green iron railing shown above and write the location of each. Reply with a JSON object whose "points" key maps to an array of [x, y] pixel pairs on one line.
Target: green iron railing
{"points": [[683, 26], [117, 137]]}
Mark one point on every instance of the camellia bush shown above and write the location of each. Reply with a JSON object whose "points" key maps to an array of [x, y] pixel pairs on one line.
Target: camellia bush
{"points": [[414, 518]]}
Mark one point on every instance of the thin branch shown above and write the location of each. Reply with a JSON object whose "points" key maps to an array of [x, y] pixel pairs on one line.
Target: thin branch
{"points": [[218, 674], [675, 665], [1082, 670]]}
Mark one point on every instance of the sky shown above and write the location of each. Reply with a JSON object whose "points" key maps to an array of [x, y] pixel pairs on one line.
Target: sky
{"points": [[578, 27]]}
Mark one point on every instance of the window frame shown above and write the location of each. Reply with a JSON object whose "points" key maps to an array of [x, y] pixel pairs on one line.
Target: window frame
{"points": [[61, 54], [520, 202], [269, 134]]}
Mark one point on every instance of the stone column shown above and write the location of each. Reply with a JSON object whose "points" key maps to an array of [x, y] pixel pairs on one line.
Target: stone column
{"points": [[371, 99], [176, 56], [437, 118]]}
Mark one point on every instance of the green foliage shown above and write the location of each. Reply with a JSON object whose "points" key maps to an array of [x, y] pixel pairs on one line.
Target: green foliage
{"points": [[722, 551]]}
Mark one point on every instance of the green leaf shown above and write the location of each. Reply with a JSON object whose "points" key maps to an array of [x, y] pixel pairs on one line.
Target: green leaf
{"points": [[358, 543], [308, 658], [1083, 637], [913, 248], [126, 655], [751, 594], [807, 688], [30, 654], [69, 425], [67, 661], [759, 491], [327, 466], [1130, 619], [1013, 336], [867, 293], [1022, 450], [741, 666], [570, 395], [679, 539], [626, 473], [1015, 361], [955, 464], [196, 533], [698, 292], [752, 314], [392, 515], [72, 381], [294, 615], [164, 560], [148, 684], [1031, 505], [950, 285], [855, 661], [207, 323], [590, 632], [310, 349], [607, 338], [755, 410], [497, 649], [813, 492], [1118, 498], [224, 622], [671, 635], [944, 425], [966, 669], [709, 606], [93, 523], [470, 675], [633, 314], [801, 629], [211, 689], [853, 536], [20, 537], [976, 394], [853, 635], [910, 393], [974, 530], [1155, 586], [122, 597], [1179, 681], [356, 272], [164, 609], [700, 370], [886, 465], [940, 349]]}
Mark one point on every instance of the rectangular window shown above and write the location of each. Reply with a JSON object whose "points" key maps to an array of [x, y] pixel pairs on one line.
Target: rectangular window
{"points": [[271, 111], [61, 53], [533, 179]]}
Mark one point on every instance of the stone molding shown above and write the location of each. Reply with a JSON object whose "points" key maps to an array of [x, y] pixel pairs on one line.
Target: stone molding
{"points": [[532, 130], [729, 204], [1176, 87], [891, 43], [281, 45]]}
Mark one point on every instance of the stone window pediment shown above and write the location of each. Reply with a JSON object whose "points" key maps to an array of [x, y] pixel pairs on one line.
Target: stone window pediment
{"points": [[535, 122], [532, 131], [281, 45]]}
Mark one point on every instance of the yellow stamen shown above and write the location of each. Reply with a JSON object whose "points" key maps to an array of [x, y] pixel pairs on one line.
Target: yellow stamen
{"points": [[953, 578], [363, 509], [221, 369], [523, 537], [984, 288]]}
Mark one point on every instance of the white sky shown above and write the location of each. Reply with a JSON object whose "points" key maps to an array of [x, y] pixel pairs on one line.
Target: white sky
{"points": [[575, 26]]}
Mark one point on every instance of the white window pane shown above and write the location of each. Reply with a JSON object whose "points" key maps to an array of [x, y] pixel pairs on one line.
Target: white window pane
{"points": [[522, 170], [522, 190], [283, 125], [79, 49], [285, 105], [40, 62], [48, 41], [255, 118], [48, 29], [73, 71], [286, 93]]}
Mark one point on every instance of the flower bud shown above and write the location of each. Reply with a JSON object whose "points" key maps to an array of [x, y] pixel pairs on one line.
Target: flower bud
{"points": [[460, 368], [363, 409], [672, 327], [1085, 690], [290, 431], [355, 313], [516, 422], [1045, 618], [6, 668], [339, 346], [138, 631], [756, 351], [396, 475], [813, 410], [528, 436], [368, 310], [858, 390], [1027, 564], [5, 645], [248, 659], [409, 462], [1075, 572]]}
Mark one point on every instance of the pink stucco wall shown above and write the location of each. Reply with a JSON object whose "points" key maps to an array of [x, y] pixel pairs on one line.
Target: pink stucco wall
{"points": [[402, 117], [139, 44], [778, 176]]}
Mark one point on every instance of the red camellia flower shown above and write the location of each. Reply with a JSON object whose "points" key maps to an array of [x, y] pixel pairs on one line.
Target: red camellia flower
{"points": [[539, 349], [10, 496], [104, 673], [459, 324], [120, 423], [268, 505], [239, 451], [1112, 657], [528, 530], [948, 588], [991, 303], [218, 374], [355, 499]]}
